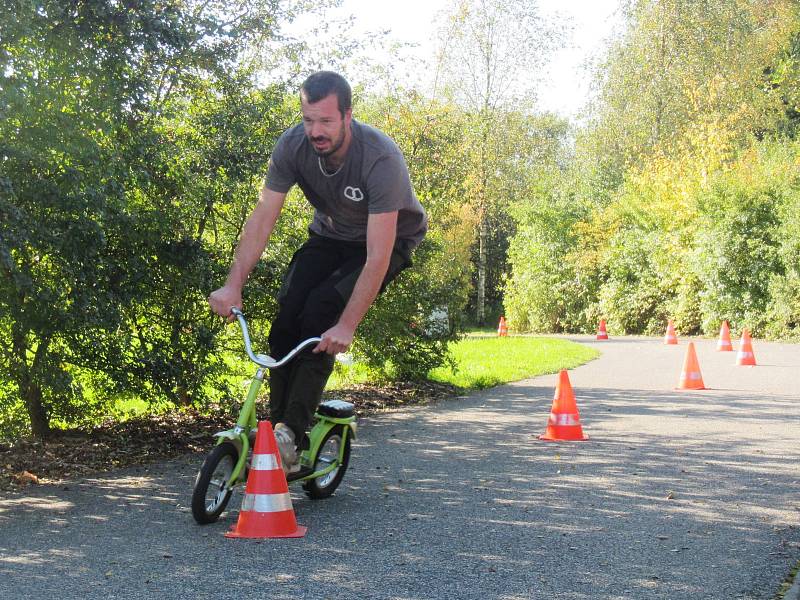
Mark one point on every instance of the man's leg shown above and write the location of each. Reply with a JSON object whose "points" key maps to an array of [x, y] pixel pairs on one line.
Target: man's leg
{"points": [[320, 312], [312, 264], [310, 372]]}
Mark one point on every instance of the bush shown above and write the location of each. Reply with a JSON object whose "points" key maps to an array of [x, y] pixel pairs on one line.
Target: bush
{"points": [[544, 292], [402, 336], [740, 259]]}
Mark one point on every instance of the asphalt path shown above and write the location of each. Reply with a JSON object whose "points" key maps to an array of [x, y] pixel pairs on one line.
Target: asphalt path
{"points": [[679, 495]]}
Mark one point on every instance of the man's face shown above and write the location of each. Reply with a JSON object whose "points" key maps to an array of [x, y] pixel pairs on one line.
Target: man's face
{"points": [[324, 125]]}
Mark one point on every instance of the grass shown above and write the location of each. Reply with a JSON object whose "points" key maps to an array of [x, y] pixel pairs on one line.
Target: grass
{"points": [[483, 362]]}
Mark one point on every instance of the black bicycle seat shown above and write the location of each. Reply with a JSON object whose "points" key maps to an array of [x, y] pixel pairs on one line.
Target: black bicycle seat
{"points": [[338, 409]]}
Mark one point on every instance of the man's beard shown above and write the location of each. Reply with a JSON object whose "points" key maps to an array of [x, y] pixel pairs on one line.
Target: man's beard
{"points": [[335, 145]]}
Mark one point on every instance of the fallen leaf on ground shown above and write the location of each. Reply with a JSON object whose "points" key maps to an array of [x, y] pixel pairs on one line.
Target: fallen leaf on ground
{"points": [[26, 478]]}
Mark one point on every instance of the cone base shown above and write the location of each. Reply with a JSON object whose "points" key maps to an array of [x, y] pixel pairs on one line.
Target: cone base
{"points": [[687, 389], [746, 361], [298, 533], [551, 437]]}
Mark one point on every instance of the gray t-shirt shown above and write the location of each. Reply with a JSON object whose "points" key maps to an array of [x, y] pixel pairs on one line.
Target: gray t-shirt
{"points": [[373, 179]]}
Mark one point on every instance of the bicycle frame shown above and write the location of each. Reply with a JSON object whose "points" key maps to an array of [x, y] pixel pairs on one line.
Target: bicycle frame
{"points": [[247, 423]]}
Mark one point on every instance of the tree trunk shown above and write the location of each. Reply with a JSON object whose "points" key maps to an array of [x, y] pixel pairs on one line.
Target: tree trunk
{"points": [[481, 299], [40, 423], [182, 395], [184, 398], [29, 390], [483, 234]]}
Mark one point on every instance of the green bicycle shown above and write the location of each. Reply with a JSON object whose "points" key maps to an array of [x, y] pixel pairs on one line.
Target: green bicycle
{"points": [[322, 465]]}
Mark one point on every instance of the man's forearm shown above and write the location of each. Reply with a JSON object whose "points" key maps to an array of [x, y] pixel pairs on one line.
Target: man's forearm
{"points": [[364, 293], [381, 231]]}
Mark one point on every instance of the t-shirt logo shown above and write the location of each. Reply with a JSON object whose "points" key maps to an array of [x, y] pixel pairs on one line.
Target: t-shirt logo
{"points": [[353, 193]]}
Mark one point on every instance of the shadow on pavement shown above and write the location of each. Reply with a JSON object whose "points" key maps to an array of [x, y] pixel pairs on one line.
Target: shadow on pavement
{"points": [[675, 495]]}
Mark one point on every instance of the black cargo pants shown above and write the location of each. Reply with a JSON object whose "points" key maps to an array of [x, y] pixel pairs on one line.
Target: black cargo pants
{"points": [[316, 288]]}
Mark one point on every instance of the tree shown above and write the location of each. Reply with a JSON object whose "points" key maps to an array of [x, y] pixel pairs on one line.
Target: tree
{"points": [[429, 134], [682, 189], [490, 55], [85, 216], [679, 62]]}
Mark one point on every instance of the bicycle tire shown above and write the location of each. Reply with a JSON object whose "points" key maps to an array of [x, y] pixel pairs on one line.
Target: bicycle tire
{"points": [[325, 485], [214, 474]]}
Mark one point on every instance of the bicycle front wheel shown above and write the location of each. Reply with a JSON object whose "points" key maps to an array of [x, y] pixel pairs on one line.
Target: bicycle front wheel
{"points": [[211, 492], [324, 485]]}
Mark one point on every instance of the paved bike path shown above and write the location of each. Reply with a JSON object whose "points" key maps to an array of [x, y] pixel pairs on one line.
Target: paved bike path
{"points": [[680, 495]]}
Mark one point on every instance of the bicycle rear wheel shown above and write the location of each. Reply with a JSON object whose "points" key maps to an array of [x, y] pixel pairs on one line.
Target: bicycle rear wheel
{"points": [[211, 494], [324, 485]]}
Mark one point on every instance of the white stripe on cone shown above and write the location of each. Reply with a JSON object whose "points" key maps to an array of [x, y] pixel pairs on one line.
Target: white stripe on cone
{"points": [[264, 462], [267, 503], [564, 419]]}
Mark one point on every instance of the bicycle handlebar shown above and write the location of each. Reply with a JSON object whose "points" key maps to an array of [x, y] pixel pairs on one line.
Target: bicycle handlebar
{"points": [[261, 359]]}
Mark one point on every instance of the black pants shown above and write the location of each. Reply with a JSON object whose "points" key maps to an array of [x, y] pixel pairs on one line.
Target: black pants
{"points": [[316, 288]]}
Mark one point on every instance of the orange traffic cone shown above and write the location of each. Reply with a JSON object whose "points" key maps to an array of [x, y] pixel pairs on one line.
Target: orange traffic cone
{"points": [[691, 378], [602, 334], [266, 507], [502, 328], [670, 338], [564, 422], [746, 356], [724, 343]]}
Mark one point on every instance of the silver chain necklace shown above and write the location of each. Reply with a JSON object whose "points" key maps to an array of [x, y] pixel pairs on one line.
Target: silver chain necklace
{"points": [[324, 172]]}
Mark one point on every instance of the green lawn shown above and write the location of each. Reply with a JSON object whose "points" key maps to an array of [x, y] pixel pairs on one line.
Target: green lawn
{"points": [[483, 360], [487, 361]]}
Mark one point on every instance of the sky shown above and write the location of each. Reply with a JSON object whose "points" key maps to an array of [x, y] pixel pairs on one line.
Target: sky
{"points": [[564, 88]]}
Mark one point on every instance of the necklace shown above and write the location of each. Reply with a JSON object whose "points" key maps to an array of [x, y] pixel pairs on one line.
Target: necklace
{"points": [[324, 172]]}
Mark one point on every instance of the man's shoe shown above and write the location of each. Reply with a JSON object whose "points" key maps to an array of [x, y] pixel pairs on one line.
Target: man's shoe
{"points": [[285, 440]]}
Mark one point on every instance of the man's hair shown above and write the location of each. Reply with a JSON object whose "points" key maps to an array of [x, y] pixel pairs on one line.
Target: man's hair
{"points": [[321, 84]]}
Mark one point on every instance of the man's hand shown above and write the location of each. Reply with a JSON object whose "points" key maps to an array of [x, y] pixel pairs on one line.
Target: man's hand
{"points": [[337, 339], [222, 300]]}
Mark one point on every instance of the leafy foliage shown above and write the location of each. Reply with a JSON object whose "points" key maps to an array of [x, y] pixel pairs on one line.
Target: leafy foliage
{"points": [[683, 195], [103, 252], [402, 337]]}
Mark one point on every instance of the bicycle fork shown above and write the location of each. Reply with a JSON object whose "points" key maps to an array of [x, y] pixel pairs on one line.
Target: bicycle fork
{"points": [[308, 458], [246, 426]]}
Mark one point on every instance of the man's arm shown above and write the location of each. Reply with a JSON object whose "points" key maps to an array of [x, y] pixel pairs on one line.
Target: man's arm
{"points": [[253, 241], [381, 233]]}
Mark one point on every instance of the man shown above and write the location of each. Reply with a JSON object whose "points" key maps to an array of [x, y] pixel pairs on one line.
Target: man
{"points": [[366, 222]]}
